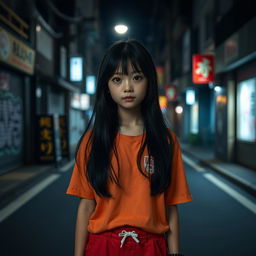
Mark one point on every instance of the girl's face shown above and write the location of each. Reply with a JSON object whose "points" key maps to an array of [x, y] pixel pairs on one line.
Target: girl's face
{"points": [[133, 85]]}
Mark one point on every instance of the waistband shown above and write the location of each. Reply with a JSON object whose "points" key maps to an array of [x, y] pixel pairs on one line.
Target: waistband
{"points": [[141, 233]]}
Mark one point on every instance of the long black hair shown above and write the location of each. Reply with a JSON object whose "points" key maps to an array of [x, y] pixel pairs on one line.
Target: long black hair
{"points": [[104, 122]]}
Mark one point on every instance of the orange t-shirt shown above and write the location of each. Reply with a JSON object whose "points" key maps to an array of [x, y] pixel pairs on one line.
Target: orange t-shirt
{"points": [[132, 204]]}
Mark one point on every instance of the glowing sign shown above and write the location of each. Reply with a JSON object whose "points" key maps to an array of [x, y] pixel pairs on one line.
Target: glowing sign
{"points": [[203, 69], [163, 102], [190, 97], [76, 69], [246, 104], [90, 85]]}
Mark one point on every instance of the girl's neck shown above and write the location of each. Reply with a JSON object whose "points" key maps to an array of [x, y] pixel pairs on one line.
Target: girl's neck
{"points": [[130, 119]]}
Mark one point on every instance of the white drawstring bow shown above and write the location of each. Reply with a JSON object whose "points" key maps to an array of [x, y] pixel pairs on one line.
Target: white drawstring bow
{"points": [[125, 234]]}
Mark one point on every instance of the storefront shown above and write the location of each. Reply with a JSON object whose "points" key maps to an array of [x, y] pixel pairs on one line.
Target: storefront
{"points": [[16, 69], [246, 115], [236, 100]]}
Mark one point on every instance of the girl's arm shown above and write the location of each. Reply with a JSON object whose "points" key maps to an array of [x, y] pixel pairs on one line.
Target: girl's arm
{"points": [[173, 234], [85, 209]]}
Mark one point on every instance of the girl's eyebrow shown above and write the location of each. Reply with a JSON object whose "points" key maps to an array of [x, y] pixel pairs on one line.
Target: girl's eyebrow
{"points": [[133, 72]]}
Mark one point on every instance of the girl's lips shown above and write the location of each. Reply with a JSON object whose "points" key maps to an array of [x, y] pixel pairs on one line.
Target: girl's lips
{"points": [[128, 98]]}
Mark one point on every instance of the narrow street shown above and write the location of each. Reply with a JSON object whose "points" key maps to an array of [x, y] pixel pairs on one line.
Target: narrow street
{"points": [[209, 224]]}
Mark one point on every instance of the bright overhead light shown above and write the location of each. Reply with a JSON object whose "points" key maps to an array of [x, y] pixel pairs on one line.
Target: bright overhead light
{"points": [[121, 29]]}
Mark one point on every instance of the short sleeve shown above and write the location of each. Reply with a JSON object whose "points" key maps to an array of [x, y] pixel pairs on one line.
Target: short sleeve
{"points": [[79, 184], [178, 191]]}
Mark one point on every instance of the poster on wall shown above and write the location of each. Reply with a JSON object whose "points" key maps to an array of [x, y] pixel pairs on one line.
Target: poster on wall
{"points": [[246, 110]]}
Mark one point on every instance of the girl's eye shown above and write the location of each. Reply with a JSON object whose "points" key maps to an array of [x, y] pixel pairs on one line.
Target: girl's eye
{"points": [[116, 79], [137, 78]]}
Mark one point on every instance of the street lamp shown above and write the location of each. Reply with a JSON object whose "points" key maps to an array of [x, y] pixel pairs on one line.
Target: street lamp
{"points": [[121, 29], [179, 109]]}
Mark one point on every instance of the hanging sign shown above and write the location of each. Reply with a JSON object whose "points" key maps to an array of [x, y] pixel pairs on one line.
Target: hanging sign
{"points": [[171, 92], [203, 69], [64, 136]]}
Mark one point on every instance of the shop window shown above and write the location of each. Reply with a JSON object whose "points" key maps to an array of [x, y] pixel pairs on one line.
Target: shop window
{"points": [[246, 110]]}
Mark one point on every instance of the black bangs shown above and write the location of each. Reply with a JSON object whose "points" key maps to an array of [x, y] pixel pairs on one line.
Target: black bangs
{"points": [[121, 58]]}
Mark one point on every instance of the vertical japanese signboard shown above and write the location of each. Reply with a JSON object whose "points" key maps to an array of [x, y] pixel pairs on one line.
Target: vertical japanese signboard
{"points": [[64, 136], [57, 145], [203, 69], [46, 150], [48, 140]]}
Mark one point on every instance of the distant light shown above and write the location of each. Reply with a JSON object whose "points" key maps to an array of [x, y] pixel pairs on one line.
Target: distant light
{"points": [[75, 101], [84, 101], [163, 102], [121, 29], [38, 92], [179, 109], [190, 97], [211, 85], [38, 28], [76, 69], [90, 84], [217, 88]]}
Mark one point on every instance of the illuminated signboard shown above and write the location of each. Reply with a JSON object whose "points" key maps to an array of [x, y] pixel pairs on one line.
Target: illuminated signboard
{"points": [[76, 69], [46, 139], [190, 97], [64, 136], [15, 53], [84, 101], [163, 102], [171, 92], [90, 85], [246, 105], [203, 69]]}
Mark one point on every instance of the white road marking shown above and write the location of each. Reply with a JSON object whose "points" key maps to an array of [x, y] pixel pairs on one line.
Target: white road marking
{"points": [[237, 196], [67, 166], [192, 164], [24, 198]]}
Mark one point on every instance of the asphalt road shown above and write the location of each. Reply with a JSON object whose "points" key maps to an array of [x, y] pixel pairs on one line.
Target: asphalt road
{"points": [[214, 223]]}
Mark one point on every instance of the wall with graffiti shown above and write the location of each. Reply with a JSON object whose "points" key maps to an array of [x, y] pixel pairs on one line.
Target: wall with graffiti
{"points": [[11, 121]]}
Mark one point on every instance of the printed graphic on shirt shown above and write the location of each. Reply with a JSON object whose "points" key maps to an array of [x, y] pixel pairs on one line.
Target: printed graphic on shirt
{"points": [[149, 164]]}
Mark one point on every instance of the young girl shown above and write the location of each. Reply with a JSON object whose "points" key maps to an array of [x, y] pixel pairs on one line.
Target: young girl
{"points": [[128, 172]]}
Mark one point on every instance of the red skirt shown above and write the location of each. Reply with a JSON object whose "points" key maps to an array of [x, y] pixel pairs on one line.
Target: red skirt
{"points": [[126, 241]]}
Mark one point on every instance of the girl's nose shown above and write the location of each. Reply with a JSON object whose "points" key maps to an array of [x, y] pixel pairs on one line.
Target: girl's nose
{"points": [[127, 85]]}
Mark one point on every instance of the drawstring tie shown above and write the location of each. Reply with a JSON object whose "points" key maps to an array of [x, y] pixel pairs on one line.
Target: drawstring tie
{"points": [[125, 234]]}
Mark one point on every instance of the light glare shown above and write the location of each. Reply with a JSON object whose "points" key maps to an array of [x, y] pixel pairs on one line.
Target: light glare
{"points": [[217, 88], [121, 29], [190, 97], [179, 109]]}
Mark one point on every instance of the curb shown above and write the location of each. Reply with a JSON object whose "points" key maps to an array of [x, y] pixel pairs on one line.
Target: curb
{"points": [[233, 178], [14, 192]]}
